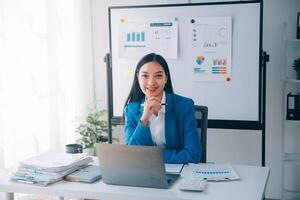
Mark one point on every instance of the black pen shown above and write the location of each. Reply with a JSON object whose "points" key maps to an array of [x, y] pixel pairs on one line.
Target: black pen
{"points": [[162, 104]]}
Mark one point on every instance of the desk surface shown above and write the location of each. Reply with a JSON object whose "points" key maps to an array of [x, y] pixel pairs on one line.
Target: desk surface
{"points": [[251, 186]]}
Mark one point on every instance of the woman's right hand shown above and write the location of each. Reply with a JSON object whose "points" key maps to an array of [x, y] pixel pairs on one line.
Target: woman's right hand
{"points": [[152, 105]]}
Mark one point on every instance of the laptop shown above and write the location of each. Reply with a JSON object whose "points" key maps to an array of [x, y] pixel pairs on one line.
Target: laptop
{"points": [[141, 166]]}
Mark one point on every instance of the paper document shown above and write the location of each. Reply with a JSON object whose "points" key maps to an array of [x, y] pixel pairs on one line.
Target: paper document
{"points": [[49, 168], [213, 172], [174, 168], [52, 160]]}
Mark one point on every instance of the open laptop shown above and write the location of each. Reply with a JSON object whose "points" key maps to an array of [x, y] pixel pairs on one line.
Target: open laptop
{"points": [[141, 166]]}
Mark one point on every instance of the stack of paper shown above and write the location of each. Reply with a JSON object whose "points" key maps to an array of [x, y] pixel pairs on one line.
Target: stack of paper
{"points": [[49, 168]]}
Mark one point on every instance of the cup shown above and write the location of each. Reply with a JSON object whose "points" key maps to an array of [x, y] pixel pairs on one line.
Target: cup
{"points": [[73, 148]]}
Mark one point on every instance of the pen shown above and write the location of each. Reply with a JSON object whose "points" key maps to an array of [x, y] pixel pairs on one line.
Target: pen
{"points": [[162, 104]]}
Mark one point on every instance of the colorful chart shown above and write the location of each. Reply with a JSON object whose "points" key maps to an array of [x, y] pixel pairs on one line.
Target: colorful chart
{"points": [[220, 61], [219, 70], [136, 36], [200, 60]]}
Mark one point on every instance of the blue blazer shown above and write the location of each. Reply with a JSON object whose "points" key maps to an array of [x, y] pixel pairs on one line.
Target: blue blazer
{"points": [[181, 133]]}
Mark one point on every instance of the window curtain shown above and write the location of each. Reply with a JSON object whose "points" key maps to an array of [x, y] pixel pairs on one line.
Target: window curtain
{"points": [[46, 75]]}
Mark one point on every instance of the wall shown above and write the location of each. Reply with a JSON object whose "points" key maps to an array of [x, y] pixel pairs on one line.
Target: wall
{"points": [[276, 12], [220, 142]]}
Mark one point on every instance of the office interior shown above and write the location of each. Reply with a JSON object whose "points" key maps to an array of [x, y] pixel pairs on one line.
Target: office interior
{"points": [[56, 69]]}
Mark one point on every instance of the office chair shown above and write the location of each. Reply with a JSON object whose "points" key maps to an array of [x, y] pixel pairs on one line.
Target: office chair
{"points": [[201, 113]]}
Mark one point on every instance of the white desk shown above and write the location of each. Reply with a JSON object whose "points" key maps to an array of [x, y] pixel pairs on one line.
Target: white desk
{"points": [[251, 186]]}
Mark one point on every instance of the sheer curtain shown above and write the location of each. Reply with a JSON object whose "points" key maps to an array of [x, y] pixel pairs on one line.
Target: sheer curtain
{"points": [[46, 74]]}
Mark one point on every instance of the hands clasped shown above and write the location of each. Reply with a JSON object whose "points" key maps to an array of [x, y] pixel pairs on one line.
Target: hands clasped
{"points": [[152, 105]]}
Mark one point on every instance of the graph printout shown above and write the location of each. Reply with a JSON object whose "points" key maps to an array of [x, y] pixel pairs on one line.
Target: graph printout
{"points": [[213, 172], [210, 44], [138, 38]]}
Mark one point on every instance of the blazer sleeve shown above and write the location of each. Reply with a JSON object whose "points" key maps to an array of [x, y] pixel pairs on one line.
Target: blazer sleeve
{"points": [[191, 151], [135, 132]]}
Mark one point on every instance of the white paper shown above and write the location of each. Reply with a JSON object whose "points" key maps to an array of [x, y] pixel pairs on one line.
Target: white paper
{"points": [[213, 172], [210, 47], [56, 160], [174, 168], [138, 38], [164, 38], [133, 39]]}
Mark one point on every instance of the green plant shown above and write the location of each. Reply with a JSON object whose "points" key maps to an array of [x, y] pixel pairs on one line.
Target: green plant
{"points": [[296, 65], [93, 129]]}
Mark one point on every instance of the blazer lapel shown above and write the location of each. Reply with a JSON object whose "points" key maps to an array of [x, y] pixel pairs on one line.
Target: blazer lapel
{"points": [[170, 122]]}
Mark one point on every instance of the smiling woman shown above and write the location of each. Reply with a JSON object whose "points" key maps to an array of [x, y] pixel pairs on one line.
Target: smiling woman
{"points": [[155, 116], [46, 75]]}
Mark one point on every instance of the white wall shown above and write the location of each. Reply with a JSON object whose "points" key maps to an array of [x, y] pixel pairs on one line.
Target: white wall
{"points": [[220, 142], [276, 12]]}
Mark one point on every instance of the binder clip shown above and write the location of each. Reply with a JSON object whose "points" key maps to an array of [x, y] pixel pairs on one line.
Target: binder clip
{"points": [[293, 106]]}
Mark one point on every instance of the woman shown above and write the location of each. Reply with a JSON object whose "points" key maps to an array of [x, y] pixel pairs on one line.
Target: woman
{"points": [[155, 116]]}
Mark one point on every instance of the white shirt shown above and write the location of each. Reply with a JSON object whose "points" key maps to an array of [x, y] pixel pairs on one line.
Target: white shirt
{"points": [[157, 125]]}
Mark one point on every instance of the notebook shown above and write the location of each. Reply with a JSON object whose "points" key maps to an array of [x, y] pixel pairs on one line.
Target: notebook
{"points": [[88, 174], [141, 166]]}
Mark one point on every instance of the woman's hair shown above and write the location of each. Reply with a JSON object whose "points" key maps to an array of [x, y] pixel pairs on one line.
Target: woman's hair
{"points": [[136, 94]]}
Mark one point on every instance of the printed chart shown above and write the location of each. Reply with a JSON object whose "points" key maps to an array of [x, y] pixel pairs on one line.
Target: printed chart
{"points": [[210, 44]]}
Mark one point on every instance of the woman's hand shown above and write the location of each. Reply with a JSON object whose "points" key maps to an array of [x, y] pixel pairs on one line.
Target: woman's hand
{"points": [[152, 105]]}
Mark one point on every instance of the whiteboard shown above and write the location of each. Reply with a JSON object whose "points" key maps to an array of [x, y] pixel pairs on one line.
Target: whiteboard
{"points": [[237, 99]]}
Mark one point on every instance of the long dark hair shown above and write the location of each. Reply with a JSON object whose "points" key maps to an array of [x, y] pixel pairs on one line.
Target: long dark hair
{"points": [[136, 94]]}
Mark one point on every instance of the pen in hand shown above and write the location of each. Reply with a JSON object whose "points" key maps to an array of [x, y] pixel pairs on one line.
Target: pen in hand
{"points": [[162, 104]]}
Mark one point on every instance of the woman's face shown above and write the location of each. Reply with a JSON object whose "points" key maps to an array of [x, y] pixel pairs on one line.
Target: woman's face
{"points": [[152, 79]]}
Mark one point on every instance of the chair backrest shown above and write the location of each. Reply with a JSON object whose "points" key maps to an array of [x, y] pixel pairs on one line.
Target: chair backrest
{"points": [[201, 113]]}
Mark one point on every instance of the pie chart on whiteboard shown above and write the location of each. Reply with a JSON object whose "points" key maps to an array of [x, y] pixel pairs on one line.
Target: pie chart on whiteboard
{"points": [[200, 60]]}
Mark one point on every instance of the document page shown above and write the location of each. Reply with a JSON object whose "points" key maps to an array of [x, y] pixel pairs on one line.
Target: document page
{"points": [[174, 168], [213, 172], [54, 160]]}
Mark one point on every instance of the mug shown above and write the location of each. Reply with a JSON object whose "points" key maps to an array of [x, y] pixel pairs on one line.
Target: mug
{"points": [[73, 148]]}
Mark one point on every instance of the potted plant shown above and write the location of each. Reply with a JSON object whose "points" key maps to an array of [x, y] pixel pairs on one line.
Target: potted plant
{"points": [[296, 66], [93, 129]]}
